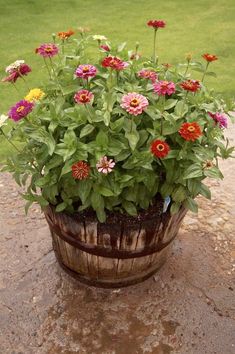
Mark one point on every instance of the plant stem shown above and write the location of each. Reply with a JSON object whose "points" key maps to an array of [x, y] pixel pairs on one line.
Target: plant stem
{"points": [[10, 142], [154, 46], [184, 101], [186, 69], [203, 76], [48, 69], [24, 81], [15, 87]]}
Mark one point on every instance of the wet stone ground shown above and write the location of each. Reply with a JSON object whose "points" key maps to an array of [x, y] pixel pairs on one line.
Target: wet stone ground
{"points": [[187, 307]]}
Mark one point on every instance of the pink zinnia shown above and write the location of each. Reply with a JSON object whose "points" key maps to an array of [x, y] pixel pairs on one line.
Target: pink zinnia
{"points": [[104, 165], [14, 74], [47, 50], [83, 96], [148, 74], [85, 71], [163, 88], [220, 119], [134, 103], [20, 110], [156, 24]]}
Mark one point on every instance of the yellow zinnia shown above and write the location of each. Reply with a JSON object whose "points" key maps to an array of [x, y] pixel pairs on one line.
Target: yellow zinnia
{"points": [[34, 95]]}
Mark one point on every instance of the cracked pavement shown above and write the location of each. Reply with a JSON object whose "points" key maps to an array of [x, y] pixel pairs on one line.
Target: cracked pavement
{"points": [[187, 307]]}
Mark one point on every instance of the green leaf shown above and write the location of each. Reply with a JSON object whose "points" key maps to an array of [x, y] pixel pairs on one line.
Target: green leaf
{"points": [[205, 191], [213, 172], [60, 207], [193, 171], [42, 136], [181, 109], [175, 207], [190, 204], [97, 200], [166, 189], [104, 191], [117, 125], [179, 194], [170, 103], [86, 130], [129, 207], [84, 188], [102, 139], [133, 138]]}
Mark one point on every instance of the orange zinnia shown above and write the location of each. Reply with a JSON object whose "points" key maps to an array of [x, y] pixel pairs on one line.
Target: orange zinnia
{"points": [[66, 34]]}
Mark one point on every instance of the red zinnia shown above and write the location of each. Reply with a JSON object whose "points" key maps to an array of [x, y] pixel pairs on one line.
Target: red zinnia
{"points": [[156, 24], [190, 131], [80, 170], [114, 63], [190, 85], [160, 148], [209, 57]]}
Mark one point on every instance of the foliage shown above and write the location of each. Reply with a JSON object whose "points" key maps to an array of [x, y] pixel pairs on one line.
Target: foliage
{"points": [[60, 132]]}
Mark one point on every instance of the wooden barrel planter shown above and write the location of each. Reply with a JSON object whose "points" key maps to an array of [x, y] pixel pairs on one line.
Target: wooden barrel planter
{"points": [[122, 251]]}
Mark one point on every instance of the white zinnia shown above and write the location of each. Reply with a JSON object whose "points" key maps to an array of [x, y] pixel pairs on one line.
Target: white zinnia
{"points": [[3, 119], [98, 37], [14, 66]]}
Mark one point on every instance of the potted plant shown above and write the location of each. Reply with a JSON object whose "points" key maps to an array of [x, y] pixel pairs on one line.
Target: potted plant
{"points": [[115, 148]]}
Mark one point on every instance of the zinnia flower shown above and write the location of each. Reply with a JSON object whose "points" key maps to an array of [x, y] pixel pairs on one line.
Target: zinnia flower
{"points": [[83, 96], [34, 95], [99, 38], [134, 103], [190, 131], [3, 120], [209, 57], [66, 34], [85, 71], [47, 50], [163, 88], [156, 24], [219, 119], [20, 110], [105, 47], [17, 71], [14, 66], [148, 74], [166, 66], [80, 170], [190, 85], [114, 63], [104, 165], [159, 148]]}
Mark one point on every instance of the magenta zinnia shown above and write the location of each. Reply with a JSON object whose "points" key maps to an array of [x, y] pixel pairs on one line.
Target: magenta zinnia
{"points": [[134, 103], [219, 119], [85, 71], [47, 50], [104, 165], [163, 88], [20, 110], [83, 97]]}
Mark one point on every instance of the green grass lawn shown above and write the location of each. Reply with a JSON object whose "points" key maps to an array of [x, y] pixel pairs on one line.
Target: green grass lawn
{"points": [[192, 26]]}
